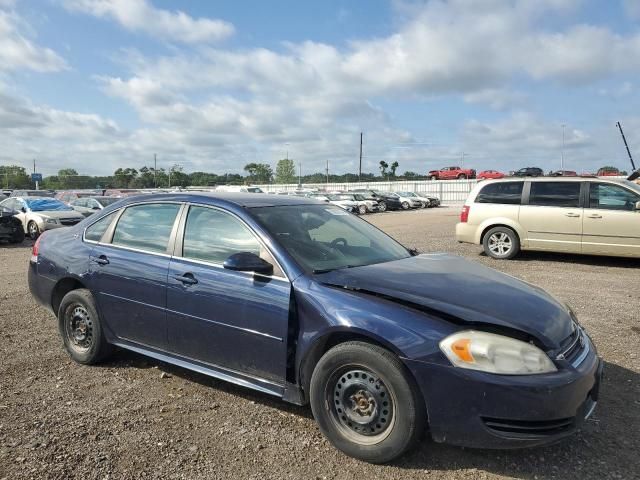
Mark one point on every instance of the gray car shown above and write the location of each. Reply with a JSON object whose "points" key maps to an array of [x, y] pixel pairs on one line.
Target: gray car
{"points": [[38, 214], [87, 206]]}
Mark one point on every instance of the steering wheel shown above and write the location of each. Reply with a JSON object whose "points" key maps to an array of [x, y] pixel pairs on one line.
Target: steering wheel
{"points": [[338, 240]]}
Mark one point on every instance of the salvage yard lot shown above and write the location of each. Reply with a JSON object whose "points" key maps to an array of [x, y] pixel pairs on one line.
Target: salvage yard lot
{"points": [[136, 418]]}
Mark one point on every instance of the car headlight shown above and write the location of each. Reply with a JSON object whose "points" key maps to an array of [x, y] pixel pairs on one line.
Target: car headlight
{"points": [[488, 352], [50, 220]]}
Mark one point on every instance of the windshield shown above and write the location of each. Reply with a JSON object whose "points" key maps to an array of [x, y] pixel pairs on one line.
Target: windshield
{"points": [[634, 186], [323, 238], [45, 204], [104, 201]]}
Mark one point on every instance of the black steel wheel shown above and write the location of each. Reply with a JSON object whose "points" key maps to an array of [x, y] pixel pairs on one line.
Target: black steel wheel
{"points": [[81, 329], [366, 403]]}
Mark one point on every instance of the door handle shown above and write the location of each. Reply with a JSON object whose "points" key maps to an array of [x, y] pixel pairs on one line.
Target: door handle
{"points": [[572, 215], [186, 279], [101, 260], [595, 215]]}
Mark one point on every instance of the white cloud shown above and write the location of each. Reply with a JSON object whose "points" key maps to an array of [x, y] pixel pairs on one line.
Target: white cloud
{"points": [[141, 16], [632, 7], [496, 98], [18, 52]]}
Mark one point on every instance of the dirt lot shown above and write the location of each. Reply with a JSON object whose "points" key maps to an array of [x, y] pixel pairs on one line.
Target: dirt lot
{"points": [[137, 418]]}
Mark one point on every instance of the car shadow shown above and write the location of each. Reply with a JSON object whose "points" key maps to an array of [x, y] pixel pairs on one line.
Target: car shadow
{"points": [[592, 260], [603, 445]]}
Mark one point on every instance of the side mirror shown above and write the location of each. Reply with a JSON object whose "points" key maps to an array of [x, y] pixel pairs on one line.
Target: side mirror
{"points": [[23, 210], [637, 206], [95, 208], [248, 262]]}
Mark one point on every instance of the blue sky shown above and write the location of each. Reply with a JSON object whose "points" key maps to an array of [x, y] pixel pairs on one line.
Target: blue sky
{"points": [[101, 84]]}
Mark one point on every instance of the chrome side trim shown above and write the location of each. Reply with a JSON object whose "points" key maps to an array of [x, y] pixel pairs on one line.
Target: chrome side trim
{"points": [[222, 373], [585, 351], [590, 411]]}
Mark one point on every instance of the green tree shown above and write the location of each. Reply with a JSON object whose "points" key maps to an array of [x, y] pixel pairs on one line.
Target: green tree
{"points": [[259, 172], [285, 171], [124, 178], [13, 176], [383, 168], [394, 167]]}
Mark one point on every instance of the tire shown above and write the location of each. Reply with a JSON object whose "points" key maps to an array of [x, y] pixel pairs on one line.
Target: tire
{"points": [[395, 414], [362, 209], [434, 177], [81, 328], [405, 205], [501, 243], [33, 230], [462, 176], [382, 206], [18, 235]]}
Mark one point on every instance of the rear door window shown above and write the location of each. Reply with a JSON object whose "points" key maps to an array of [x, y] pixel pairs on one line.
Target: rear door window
{"points": [[146, 227], [508, 193], [94, 232], [555, 194]]}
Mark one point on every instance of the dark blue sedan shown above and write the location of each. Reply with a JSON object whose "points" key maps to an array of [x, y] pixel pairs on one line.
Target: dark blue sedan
{"points": [[304, 301]]}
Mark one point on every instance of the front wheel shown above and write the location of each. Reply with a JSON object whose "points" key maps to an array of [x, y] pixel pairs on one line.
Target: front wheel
{"points": [[434, 177], [382, 206], [366, 403], [33, 230], [462, 176], [405, 205], [362, 209], [81, 328], [501, 243], [18, 235]]}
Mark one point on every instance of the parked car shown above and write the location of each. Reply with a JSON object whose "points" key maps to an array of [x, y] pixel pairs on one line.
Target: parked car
{"points": [[452, 173], [304, 301], [239, 188], [385, 200], [573, 215], [11, 229], [529, 172], [411, 200], [32, 193], [362, 204], [87, 206], [122, 192], [68, 196], [490, 174], [428, 201], [563, 173], [38, 214], [609, 172]]}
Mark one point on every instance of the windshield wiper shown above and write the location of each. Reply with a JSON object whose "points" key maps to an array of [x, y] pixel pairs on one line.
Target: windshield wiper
{"points": [[326, 270]]}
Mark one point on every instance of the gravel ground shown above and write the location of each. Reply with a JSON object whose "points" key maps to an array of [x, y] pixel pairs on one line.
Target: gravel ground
{"points": [[136, 418]]}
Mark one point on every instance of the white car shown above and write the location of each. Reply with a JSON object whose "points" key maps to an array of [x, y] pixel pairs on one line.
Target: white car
{"points": [[407, 201], [344, 203], [38, 214], [239, 188], [364, 205], [426, 201]]}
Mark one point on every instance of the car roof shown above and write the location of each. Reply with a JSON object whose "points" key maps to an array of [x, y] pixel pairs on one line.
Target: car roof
{"points": [[557, 179], [246, 200]]}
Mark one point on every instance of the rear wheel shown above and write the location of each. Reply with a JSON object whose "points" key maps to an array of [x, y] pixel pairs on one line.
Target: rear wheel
{"points": [[462, 176], [81, 328], [501, 243], [33, 230], [382, 206], [366, 403]]}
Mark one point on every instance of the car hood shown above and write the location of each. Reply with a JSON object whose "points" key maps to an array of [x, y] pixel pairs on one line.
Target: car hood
{"points": [[59, 214], [464, 291]]}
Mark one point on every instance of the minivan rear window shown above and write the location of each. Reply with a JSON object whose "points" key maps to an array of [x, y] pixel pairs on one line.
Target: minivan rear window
{"points": [[508, 193], [555, 194]]}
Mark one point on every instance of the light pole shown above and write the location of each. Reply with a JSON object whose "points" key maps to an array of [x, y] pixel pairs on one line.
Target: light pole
{"points": [[299, 174], [462, 158], [562, 151]]}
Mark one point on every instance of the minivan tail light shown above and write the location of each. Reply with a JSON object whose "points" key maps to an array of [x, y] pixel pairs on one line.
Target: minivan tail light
{"points": [[464, 214]]}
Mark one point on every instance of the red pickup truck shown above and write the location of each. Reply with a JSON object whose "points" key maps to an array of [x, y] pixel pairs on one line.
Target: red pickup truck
{"points": [[452, 173]]}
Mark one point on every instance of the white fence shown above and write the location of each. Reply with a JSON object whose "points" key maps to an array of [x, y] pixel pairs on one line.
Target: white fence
{"points": [[448, 191]]}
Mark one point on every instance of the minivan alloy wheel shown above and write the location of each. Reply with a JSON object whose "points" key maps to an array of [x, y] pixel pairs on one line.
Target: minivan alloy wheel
{"points": [[500, 243]]}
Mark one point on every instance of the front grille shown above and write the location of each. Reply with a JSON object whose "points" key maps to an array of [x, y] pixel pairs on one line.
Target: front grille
{"points": [[529, 428], [70, 221], [574, 345]]}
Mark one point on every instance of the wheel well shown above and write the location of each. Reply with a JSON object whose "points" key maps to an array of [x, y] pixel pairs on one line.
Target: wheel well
{"points": [[323, 346], [63, 287], [484, 232]]}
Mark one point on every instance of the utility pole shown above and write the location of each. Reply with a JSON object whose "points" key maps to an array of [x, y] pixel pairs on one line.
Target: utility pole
{"points": [[360, 169], [462, 159], [299, 174], [562, 151], [633, 165], [155, 168], [327, 172]]}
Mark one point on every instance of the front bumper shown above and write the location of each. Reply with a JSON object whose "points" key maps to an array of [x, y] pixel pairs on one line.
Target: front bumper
{"points": [[476, 409]]}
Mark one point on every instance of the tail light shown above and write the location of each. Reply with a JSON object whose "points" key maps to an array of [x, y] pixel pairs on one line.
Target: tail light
{"points": [[36, 246], [464, 214]]}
